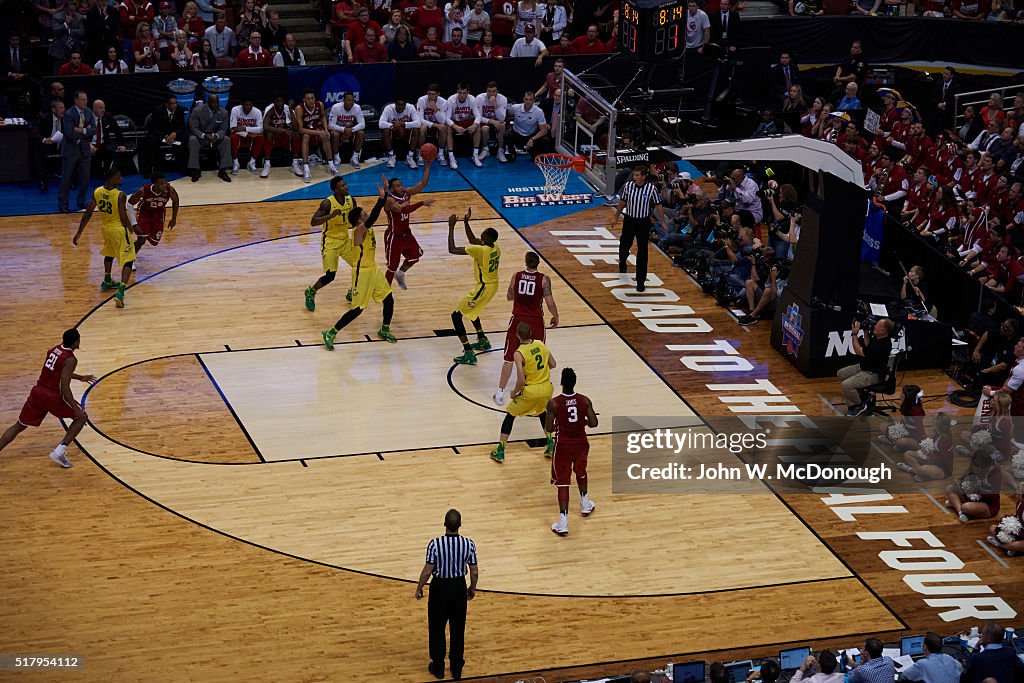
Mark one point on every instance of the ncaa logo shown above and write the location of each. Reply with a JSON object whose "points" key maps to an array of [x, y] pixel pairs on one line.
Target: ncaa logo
{"points": [[335, 87]]}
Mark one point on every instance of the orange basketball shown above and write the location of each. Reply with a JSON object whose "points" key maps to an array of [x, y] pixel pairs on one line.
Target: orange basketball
{"points": [[428, 152]]}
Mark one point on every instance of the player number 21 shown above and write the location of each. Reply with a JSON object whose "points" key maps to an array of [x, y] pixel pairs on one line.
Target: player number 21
{"points": [[527, 287], [51, 361]]}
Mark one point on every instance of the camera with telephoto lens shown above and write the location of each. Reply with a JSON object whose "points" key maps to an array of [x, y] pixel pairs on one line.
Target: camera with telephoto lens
{"points": [[869, 320]]}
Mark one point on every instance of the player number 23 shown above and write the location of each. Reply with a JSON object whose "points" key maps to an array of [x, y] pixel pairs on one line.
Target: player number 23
{"points": [[105, 206]]}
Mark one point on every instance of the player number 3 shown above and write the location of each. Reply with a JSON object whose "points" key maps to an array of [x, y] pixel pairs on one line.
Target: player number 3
{"points": [[573, 414]]}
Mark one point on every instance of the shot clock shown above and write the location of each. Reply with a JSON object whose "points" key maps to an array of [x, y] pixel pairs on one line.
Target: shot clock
{"points": [[652, 30]]}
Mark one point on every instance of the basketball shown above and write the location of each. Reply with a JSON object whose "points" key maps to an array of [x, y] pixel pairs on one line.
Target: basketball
{"points": [[428, 152]]}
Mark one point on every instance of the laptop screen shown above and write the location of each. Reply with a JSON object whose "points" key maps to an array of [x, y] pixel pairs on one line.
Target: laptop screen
{"points": [[792, 659], [738, 671], [911, 646], [690, 672]]}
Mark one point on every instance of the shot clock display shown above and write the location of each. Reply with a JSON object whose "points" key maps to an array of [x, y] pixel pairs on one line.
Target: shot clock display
{"points": [[652, 30]]}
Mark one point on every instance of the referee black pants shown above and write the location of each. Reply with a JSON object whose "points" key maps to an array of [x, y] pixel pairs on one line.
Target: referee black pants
{"points": [[638, 229], [446, 604]]}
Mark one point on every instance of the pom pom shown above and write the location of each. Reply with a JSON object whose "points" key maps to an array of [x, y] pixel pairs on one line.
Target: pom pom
{"points": [[1009, 529], [1018, 466], [972, 486], [927, 446], [897, 431], [981, 438]]}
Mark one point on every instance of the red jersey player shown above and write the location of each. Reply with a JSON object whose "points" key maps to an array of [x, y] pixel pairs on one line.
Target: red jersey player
{"points": [[569, 414], [312, 120], [527, 291], [52, 394], [399, 242], [151, 200]]}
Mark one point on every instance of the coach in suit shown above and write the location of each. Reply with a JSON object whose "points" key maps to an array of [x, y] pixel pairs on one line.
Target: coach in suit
{"points": [[68, 34], [15, 73], [109, 140], [166, 125], [783, 76], [76, 151], [47, 134], [725, 26], [208, 127], [945, 100]]}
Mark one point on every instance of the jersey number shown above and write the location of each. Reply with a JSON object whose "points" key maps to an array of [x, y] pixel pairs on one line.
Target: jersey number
{"points": [[105, 206], [573, 414], [540, 361], [51, 361], [527, 287], [493, 264]]}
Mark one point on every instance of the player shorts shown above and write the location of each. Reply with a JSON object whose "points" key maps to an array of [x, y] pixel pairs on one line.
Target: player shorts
{"points": [[332, 250], [398, 248], [532, 401], [118, 244], [42, 401], [512, 337], [468, 123], [283, 140], [369, 283], [472, 305], [152, 227], [569, 458]]}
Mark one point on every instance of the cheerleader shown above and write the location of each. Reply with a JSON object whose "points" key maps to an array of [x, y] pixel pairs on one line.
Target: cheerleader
{"points": [[1008, 534], [933, 458], [976, 495], [907, 433]]}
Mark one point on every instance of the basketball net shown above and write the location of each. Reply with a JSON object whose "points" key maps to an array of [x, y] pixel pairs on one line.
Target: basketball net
{"points": [[556, 168]]}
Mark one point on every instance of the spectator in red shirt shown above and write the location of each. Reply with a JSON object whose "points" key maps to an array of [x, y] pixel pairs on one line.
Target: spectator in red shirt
{"points": [[564, 46], [455, 48], [428, 16], [358, 28], [371, 50], [134, 13], [255, 55], [503, 22], [589, 44], [486, 49], [342, 16], [431, 47], [994, 109], [192, 25], [145, 50], [74, 66]]}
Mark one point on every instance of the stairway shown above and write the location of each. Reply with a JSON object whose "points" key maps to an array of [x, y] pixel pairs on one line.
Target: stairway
{"points": [[303, 21]]}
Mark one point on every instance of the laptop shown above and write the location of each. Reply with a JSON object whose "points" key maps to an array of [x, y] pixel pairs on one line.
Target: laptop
{"points": [[689, 672], [1018, 643], [739, 670], [790, 660], [912, 646]]}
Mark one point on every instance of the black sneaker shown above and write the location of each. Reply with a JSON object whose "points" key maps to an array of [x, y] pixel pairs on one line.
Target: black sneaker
{"points": [[853, 411], [747, 320]]}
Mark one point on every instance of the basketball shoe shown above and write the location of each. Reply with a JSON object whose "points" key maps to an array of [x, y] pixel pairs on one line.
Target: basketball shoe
{"points": [[251, 167], [329, 336], [484, 153], [59, 455], [410, 161], [234, 168], [119, 297], [442, 158], [391, 159], [332, 168], [108, 284], [586, 507], [561, 527], [549, 448], [400, 278], [452, 163], [499, 397], [476, 159], [498, 454], [297, 167], [481, 344], [355, 160], [468, 358], [307, 177], [266, 169], [310, 299], [385, 333]]}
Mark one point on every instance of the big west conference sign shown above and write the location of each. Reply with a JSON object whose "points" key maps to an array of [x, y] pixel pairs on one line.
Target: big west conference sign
{"points": [[541, 197]]}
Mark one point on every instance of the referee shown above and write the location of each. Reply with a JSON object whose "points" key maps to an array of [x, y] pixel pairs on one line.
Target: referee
{"points": [[447, 559], [637, 198]]}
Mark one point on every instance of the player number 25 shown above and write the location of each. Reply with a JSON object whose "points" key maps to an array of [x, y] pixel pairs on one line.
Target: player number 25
{"points": [[493, 264], [527, 287]]}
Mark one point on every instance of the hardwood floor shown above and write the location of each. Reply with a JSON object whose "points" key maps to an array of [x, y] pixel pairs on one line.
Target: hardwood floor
{"points": [[102, 560]]}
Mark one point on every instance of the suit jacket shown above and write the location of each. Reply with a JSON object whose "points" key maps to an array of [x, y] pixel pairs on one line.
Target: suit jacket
{"points": [[1000, 663], [67, 36], [950, 95], [728, 40], [778, 78], [204, 120], [160, 126], [24, 57], [44, 127], [75, 143], [112, 136]]}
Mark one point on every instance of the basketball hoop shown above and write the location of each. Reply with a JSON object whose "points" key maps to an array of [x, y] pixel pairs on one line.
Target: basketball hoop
{"points": [[555, 168]]}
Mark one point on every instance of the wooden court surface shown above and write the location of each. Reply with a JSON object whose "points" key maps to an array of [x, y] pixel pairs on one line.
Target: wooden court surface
{"points": [[95, 568]]}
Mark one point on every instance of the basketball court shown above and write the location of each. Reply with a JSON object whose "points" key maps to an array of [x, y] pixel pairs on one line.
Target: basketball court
{"points": [[247, 505]]}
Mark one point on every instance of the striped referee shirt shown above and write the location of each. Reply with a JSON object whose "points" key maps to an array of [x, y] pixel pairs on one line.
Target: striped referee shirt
{"points": [[640, 199], [450, 554]]}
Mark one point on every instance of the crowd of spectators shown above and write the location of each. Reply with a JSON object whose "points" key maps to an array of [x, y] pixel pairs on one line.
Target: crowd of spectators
{"points": [[966, 10]]}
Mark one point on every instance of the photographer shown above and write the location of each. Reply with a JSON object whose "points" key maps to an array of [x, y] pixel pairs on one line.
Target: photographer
{"points": [[693, 227], [782, 200], [740, 187], [739, 249], [762, 300], [874, 352]]}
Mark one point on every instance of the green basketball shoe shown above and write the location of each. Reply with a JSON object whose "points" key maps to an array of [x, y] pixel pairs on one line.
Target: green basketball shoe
{"points": [[481, 344], [329, 336], [348, 295], [498, 454], [549, 450], [468, 358], [385, 333], [310, 299], [108, 285]]}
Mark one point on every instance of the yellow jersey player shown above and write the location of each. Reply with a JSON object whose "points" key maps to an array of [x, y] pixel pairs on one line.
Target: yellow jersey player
{"points": [[533, 389], [486, 257], [111, 202], [368, 282], [335, 241]]}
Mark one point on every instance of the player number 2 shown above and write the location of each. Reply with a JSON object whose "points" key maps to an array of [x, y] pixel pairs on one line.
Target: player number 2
{"points": [[540, 361], [573, 414], [527, 287], [51, 361]]}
